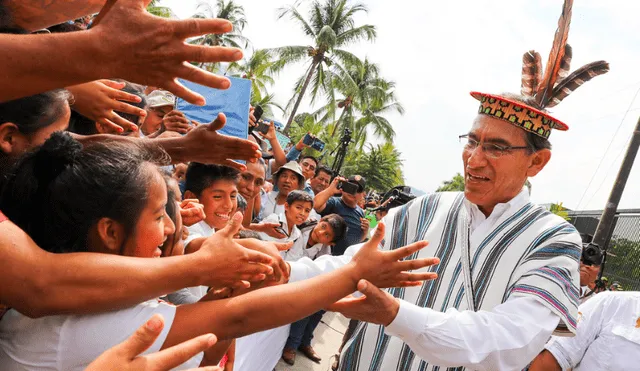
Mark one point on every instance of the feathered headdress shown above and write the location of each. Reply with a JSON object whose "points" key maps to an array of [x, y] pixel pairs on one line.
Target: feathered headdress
{"points": [[546, 89]]}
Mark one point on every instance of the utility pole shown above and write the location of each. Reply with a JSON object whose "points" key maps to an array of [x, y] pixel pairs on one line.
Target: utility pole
{"points": [[606, 220]]}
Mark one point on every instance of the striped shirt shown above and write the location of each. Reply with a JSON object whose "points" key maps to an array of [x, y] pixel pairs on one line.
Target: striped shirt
{"points": [[522, 251]]}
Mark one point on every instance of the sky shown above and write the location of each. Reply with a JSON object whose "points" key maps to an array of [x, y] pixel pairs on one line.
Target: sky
{"points": [[439, 51]]}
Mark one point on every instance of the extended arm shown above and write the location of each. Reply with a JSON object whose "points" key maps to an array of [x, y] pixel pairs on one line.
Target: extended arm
{"points": [[39, 283], [506, 338]]}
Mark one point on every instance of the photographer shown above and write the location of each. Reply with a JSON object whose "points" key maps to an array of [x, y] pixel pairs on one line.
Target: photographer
{"points": [[346, 206]]}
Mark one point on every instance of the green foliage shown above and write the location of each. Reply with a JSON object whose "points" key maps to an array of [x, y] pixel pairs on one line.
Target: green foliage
{"points": [[623, 262], [456, 184], [159, 11], [331, 27]]}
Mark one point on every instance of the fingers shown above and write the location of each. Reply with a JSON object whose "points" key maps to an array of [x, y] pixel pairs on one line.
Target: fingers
{"points": [[128, 108], [283, 246], [113, 84], [218, 123], [114, 92], [415, 264], [109, 126], [143, 338], [234, 164], [179, 354], [181, 91], [233, 226], [198, 27], [192, 73], [378, 236], [408, 250], [125, 124], [414, 277]]}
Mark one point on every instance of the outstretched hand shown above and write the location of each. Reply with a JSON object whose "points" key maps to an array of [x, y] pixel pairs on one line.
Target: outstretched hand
{"points": [[126, 355], [386, 268], [97, 100], [151, 50], [376, 306], [204, 144], [231, 264]]}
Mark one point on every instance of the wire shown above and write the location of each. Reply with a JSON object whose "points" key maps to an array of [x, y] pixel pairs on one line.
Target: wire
{"points": [[607, 150]]}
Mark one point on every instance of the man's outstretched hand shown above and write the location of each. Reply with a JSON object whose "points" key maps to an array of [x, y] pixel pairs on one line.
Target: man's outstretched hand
{"points": [[204, 144], [376, 306], [126, 355], [150, 50]]}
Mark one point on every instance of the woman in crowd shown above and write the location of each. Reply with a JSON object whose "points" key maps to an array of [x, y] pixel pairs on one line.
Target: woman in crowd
{"points": [[111, 199]]}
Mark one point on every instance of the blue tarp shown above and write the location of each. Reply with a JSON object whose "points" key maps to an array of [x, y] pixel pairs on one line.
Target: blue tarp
{"points": [[233, 102]]}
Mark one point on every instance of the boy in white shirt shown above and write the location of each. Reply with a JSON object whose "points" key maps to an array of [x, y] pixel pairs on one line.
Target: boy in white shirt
{"points": [[316, 240], [216, 188], [296, 211]]}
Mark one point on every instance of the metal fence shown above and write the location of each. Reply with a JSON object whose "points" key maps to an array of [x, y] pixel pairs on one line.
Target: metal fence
{"points": [[623, 251]]}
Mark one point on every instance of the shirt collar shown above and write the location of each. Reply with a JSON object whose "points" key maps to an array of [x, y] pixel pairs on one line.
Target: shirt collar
{"points": [[514, 204]]}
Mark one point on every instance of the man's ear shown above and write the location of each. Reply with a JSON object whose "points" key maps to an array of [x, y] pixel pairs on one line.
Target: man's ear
{"points": [[538, 161], [111, 235], [11, 140]]}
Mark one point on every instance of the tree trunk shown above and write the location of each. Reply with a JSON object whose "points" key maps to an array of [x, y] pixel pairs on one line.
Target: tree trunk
{"points": [[335, 127], [300, 95]]}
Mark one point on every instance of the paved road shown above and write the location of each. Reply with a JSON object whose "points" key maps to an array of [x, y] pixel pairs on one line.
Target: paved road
{"points": [[327, 340]]}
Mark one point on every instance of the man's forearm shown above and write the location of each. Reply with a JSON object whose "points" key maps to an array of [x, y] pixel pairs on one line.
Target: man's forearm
{"points": [[320, 201], [545, 361], [38, 283], [39, 63], [278, 155], [34, 15]]}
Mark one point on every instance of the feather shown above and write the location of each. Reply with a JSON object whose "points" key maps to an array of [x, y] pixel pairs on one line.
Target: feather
{"points": [[531, 73], [565, 64], [555, 56], [569, 84]]}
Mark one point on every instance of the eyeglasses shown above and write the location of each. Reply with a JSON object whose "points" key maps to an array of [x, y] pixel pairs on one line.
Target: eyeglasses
{"points": [[490, 149]]}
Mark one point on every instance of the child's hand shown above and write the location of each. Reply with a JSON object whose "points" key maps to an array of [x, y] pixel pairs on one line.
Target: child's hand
{"points": [[191, 211]]}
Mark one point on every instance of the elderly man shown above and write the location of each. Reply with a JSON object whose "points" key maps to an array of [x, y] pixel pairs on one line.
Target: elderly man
{"points": [[321, 179], [508, 272]]}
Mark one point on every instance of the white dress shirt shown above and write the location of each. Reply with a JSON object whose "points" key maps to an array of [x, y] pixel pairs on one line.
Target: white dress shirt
{"points": [[608, 336], [499, 339]]}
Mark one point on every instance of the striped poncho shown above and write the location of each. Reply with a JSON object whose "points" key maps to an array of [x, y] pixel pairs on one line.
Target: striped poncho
{"points": [[528, 252]]}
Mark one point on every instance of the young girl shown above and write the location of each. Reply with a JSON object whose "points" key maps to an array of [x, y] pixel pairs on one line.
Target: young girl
{"points": [[111, 199]]}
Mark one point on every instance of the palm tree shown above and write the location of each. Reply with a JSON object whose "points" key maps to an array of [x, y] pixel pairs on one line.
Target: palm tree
{"points": [[160, 11], [267, 102], [381, 166], [259, 69], [230, 11], [368, 96], [331, 27]]}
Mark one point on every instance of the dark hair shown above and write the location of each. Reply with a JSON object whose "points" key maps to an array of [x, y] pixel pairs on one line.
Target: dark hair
{"points": [[58, 192], [337, 224], [534, 141], [242, 203], [82, 125], [324, 169], [299, 196], [311, 158], [65, 27], [201, 176], [34, 112]]}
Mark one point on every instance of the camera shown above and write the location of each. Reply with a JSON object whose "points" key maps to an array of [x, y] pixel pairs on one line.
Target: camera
{"points": [[592, 254], [347, 187]]}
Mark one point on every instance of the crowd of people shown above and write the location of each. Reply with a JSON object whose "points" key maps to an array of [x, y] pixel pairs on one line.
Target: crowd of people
{"points": [[100, 171]]}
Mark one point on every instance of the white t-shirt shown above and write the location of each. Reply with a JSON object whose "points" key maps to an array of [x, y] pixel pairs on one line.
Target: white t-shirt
{"points": [[71, 342], [294, 236], [200, 229]]}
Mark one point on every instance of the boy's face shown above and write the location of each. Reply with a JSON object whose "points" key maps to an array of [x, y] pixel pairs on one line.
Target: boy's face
{"points": [[298, 212], [219, 201], [323, 233]]}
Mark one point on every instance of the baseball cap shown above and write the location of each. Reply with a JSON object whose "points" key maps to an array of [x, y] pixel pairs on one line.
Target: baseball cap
{"points": [[359, 181], [160, 98]]}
